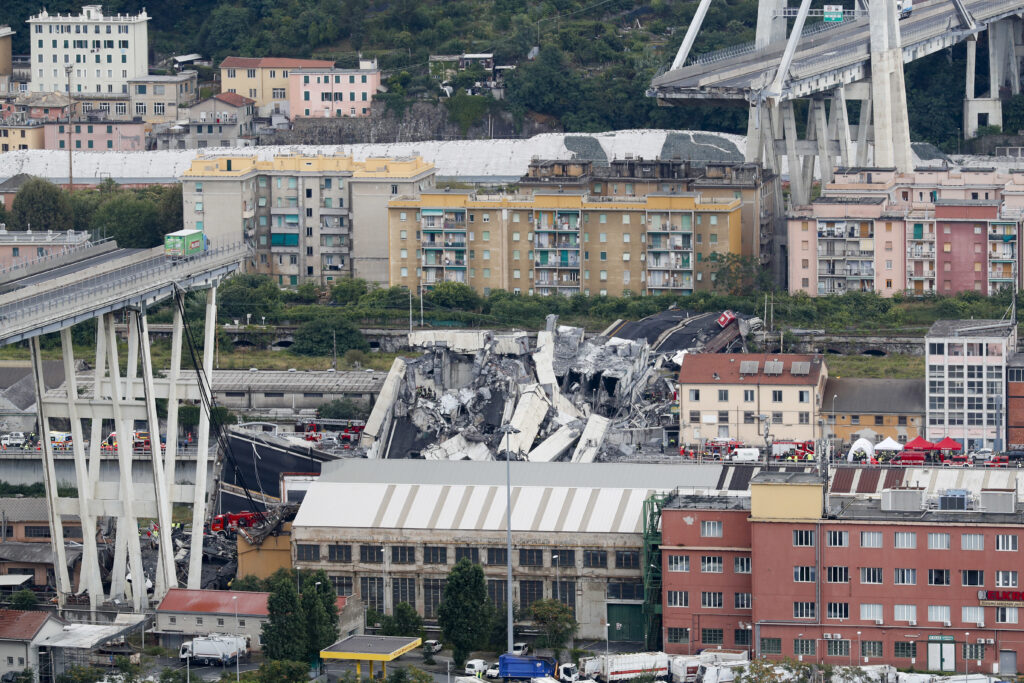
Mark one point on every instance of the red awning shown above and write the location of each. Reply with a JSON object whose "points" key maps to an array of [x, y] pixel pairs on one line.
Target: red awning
{"points": [[948, 444], [919, 444]]}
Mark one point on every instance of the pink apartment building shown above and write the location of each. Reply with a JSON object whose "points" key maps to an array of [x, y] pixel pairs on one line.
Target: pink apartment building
{"points": [[96, 136], [329, 92], [958, 232]]}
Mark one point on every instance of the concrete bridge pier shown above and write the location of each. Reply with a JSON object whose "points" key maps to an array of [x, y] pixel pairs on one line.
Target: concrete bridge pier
{"points": [[1004, 73]]}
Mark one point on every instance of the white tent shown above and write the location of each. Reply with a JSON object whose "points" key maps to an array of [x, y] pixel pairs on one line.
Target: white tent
{"points": [[862, 447], [889, 444]]}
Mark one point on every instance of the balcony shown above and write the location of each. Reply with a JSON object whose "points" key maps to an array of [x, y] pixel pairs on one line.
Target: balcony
{"points": [[557, 226], [1002, 255], [657, 244], [1007, 234], [562, 243], [1001, 275], [921, 254], [668, 264], [445, 244], [923, 275], [567, 263], [670, 228], [838, 233]]}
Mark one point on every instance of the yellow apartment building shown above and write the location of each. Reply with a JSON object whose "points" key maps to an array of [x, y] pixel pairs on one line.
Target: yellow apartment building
{"points": [[566, 243], [264, 79], [15, 136]]}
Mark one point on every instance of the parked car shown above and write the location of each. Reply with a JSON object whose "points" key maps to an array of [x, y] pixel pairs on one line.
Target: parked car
{"points": [[431, 647], [520, 649], [475, 666], [492, 671]]}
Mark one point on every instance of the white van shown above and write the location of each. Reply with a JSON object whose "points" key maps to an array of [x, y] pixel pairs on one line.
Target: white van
{"points": [[475, 666], [746, 455]]}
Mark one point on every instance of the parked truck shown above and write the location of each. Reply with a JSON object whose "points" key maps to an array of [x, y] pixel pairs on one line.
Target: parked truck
{"points": [[523, 667], [623, 667], [211, 650], [184, 243]]}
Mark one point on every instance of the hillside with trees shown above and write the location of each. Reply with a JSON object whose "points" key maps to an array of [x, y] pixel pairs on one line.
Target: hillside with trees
{"points": [[596, 56]]}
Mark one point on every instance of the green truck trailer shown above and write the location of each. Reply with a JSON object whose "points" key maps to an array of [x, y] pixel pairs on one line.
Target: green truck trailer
{"points": [[184, 243]]}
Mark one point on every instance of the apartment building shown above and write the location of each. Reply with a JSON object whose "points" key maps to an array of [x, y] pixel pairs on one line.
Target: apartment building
{"points": [[937, 585], [751, 398], [95, 135], [566, 243], [159, 99], [958, 230], [18, 247], [264, 79], [21, 136], [6, 61], [311, 218], [874, 409], [1015, 402], [329, 92], [757, 188], [39, 106], [967, 371], [223, 120], [103, 52]]}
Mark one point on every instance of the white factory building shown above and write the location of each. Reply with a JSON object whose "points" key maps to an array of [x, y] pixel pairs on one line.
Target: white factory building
{"points": [[391, 530], [104, 52]]}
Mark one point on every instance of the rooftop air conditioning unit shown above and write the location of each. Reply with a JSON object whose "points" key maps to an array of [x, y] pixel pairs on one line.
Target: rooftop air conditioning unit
{"points": [[826, 636], [989, 641], [981, 641], [913, 623], [946, 624], [981, 624], [878, 622], [837, 636]]}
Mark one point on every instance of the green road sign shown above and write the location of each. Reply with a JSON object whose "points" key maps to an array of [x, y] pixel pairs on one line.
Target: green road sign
{"points": [[833, 13]]}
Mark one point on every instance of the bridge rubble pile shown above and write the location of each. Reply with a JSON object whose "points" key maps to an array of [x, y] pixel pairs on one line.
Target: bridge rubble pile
{"points": [[572, 397]]}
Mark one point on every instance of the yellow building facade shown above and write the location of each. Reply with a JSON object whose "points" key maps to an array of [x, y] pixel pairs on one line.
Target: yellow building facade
{"points": [[560, 243], [21, 136], [264, 79]]}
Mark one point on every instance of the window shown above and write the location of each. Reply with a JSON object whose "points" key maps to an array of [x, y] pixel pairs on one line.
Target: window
{"points": [[870, 611], [904, 650], [906, 540], [905, 577], [905, 613], [837, 574], [1006, 615], [871, 575], [711, 599], [694, 394], [563, 557], [711, 564], [741, 565], [371, 590], [678, 635], [599, 558], [433, 589], [531, 557], [974, 651], [625, 590], [972, 577], [678, 599], [771, 646], [776, 395], [1006, 579], [741, 637], [870, 648], [403, 554], [679, 563], [743, 600], [342, 584], [497, 556], [938, 613], [32, 531], [748, 395], [837, 648], [803, 610], [804, 574], [712, 636], [471, 554], [220, 621], [627, 559], [1006, 542], [497, 592], [307, 553], [339, 553], [529, 593], [838, 539], [435, 554], [938, 577], [938, 541], [373, 554], [972, 541], [711, 529], [803, 538]]}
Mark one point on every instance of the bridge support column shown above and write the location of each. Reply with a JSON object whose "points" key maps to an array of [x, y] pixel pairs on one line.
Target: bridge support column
{"points": [[195, 565], [888, 92]]}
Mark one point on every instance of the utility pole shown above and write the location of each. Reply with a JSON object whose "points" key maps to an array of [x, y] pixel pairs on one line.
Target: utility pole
{"points": [[410, 310], [334, 339], [421, 303], [71, 108]]}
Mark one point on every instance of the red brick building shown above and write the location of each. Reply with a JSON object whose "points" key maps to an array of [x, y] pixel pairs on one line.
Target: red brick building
{"points": [[930, 583]]}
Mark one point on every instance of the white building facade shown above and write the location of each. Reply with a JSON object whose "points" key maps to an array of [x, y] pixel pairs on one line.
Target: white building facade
{"points": [[966, 367], [104, 52]]}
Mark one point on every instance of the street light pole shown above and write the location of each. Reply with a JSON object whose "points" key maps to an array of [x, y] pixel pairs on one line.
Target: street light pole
{"points": [[834, 426], [508, 430], [384, 585]]}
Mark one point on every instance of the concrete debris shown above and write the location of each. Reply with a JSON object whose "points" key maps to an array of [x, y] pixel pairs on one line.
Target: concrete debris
{"points": [[573, 396]]}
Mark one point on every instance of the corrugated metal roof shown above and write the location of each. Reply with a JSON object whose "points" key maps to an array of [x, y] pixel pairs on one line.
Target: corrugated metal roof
{"points": [[473, 507], [350, 382], [251, 604], [21, 625]]}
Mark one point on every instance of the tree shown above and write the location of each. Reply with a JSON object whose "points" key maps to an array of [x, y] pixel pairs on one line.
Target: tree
{"points": [[257, 295], [318, 337], [320, 608], [283, 671], [342, 409], [40, 206], [463, 614], [26, 675], [740, 274], [556, 622], [169, 675], [127, 671], [284, 632], [132, 221], [81, 674], [24, 599], [760, 670], [405, 622], [249, 582], [348, 291], [454, 295], [170, 207]]}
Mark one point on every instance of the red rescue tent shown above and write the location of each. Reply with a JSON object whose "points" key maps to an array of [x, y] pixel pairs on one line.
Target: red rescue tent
{"points": [[920, 444], [948, 444]]}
